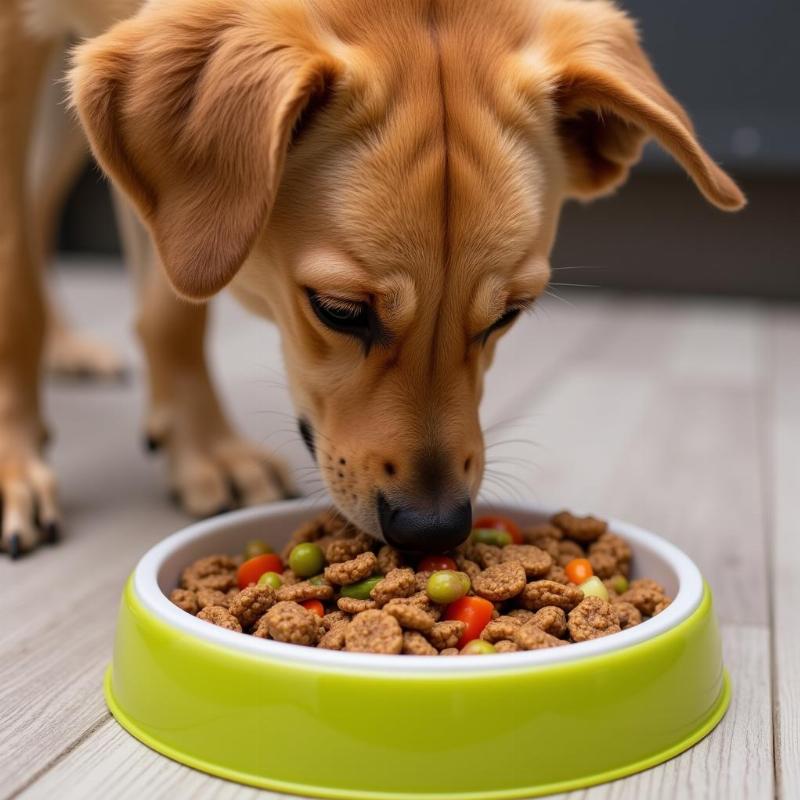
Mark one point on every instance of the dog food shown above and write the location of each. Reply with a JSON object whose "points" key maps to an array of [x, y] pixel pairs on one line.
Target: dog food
{"points": [[506, 589]]}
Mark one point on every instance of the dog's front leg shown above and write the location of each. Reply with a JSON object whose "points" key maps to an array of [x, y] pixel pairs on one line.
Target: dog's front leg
{"points": [[27, 488], [211, 466]]}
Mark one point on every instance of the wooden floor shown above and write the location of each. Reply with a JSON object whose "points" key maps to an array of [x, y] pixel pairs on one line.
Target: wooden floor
{"points": [[681, 415]]}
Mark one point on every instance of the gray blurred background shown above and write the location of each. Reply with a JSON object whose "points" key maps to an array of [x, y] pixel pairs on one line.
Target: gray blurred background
{"points": [[735, 66]]}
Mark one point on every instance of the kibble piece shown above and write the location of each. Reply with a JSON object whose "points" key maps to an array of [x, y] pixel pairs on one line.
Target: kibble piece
{"points": [[500, 582], [542, 530], [522, 614], [568, 551], [347, 547], [468, 567], [661, 605], [334, 639], [251, 604], [604, 565], [539, 594], [501, 628], [535, 561], [505, 646], [558, 574], [444, 635], [581, 529], [415, 644], [305, 590], [389, 559], [217, 615], [185, 599], [352, 605], [591, 619], [289, 622], [531, 637], [552, 620], [409, 616], [213, 597], [450, 651], [334, 618], [398, 583], [374, 631], [352, 571], [612, 547], [645, 594], [628, 614], [487, 555]]}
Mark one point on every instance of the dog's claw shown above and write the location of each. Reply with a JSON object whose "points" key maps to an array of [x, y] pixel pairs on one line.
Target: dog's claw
{"points": [[52, 532], [151, 444], [14, 546]]}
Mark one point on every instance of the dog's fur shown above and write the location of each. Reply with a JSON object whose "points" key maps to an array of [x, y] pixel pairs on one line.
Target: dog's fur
{"points": [[410, 154]]}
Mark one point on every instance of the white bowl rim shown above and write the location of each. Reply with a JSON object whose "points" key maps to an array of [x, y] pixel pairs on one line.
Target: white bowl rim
{"points": [[147, 590]]}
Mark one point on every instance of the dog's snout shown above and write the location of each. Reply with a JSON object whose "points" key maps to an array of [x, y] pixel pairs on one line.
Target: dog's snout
{"points": [[409, 526]]}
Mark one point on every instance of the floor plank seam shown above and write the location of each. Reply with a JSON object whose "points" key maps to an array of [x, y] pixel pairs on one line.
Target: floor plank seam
{"points": [[74, 745], [764, 407]]}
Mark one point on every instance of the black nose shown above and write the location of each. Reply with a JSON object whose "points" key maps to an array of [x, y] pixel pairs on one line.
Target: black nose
{"points": [[410, 527]]}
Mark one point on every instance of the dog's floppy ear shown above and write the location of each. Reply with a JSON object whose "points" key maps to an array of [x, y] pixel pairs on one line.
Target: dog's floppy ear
{"points": [[190, 108], [609, 101]]}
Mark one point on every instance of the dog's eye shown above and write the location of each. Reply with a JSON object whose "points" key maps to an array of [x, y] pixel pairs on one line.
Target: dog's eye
{"points": [[343, 316], [501, 322]]}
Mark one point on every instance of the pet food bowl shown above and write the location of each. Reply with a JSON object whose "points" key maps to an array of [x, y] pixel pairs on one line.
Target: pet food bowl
{"points": [[352, 725]]}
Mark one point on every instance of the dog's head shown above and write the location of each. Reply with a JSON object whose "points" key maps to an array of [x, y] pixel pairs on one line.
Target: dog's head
{"points": [[384, 180]]}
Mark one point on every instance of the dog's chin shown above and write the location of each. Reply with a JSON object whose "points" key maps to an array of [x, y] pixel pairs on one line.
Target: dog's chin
{"points": [[361, 513]]}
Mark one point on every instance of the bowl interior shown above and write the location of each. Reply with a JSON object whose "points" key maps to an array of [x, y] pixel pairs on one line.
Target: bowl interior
{"points": [[159, 570]]}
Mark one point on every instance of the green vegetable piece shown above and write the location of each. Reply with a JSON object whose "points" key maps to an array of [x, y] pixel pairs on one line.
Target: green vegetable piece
{"points": [[620, 584], [306, 559], [256, 547], [446, 586], [271, 579], [492, 536], [594, 587], [477, 647], [361, 590]]}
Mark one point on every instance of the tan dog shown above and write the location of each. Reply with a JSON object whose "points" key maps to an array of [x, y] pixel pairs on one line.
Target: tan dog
{"points": [[381, 178]]}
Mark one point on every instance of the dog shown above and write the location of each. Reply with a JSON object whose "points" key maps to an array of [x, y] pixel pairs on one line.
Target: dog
{"points": [[383, 179]]}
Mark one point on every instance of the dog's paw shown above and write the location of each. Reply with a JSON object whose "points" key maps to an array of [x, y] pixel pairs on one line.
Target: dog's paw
{"points": [[72, 355], [227, 473], [30, 513]]}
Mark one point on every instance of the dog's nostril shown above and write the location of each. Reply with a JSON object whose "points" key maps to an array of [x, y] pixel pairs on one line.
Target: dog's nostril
{"points": [[389, 468]]}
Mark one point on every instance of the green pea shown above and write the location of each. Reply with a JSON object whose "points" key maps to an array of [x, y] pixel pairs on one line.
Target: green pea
{"points": [[318, 580], [446, 586], [620, 584], [594, 587], [491, 536], [306, 559], [361, 590], [271, 579], [256, 547], [477, 647]]}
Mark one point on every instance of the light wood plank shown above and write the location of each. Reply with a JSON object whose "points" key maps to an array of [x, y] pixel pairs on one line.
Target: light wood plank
{"points": [[783, 414]]}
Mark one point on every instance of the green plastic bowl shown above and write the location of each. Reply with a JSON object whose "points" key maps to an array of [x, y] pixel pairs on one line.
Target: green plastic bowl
{"points": [[352, 725]]}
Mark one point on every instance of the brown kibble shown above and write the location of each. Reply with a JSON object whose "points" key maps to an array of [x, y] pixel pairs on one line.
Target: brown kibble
{"points": [[334, 618], [505, 646], [450, 651], [213, 597], [568, 551], [542, 530], [500, 582], [591, 619], [558, 574], [289, 622], [552, 620], [352, 571], [398, 583], [501, 628], [467, 566], [185, 599], [389, 559], [346, 547], [604, 565], [304, 590], [531, 637], [251, 604], [351, 605], [409, 616], [661, 605], [646, 595], [628, 614], [617, 548], [217, 615], [487, 555], [444, 635], [522, 614], [415, 644], [374, 631], [535, 561], [539, 594], [581, 529], [334, 638]]}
